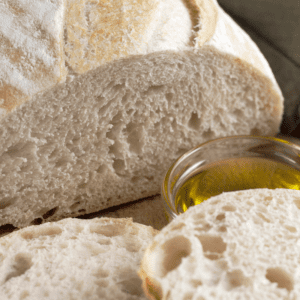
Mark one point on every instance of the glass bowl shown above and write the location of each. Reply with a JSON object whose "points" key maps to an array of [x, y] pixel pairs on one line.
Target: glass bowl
{"points": [[229, 164]]}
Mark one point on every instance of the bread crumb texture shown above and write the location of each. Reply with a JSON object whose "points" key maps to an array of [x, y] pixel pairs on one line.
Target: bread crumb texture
{"points": [[74, 259], [238, 245], [107, 137]]}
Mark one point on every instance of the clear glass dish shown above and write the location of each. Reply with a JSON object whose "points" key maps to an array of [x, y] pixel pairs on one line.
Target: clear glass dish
{"points": [[247, 161]]}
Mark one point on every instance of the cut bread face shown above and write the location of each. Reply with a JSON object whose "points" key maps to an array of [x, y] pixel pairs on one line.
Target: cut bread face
{"points": [[108, 137], [238, 245], [74, 259], [105, 131]]}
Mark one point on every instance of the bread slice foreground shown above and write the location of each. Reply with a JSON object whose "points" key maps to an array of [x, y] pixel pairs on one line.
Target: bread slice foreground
{"points": [[98, 100], [74, 259], [238, 245]]}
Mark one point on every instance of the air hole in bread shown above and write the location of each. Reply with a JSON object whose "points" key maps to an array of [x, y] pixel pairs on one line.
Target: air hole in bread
{"points": [[212, 245], [109, 230], [170, 97], [37, 221], [198, 217], [129, 112], [5, 202], [63, 162], [281, 277], [238, 114], [135, 135], [116, 149], [204, 227], [235, 279], [101, 169], [53, 154], [228, 208], [297, 203], [196, 283], [132, 246], [194, 122], [174, 251], [50, 213], [25, 294], [22, 263], [6, 229], [102, 283], [154, 89], [178, 226], [220, 217], [208, 134], [263, 217], [125, 99], [222, 229], [100, 273], [21, 150], [135, 179], [63, 245], [39, 231], [119, 166], [104, 241], [268, 198], [291, 228], [94, 249]]}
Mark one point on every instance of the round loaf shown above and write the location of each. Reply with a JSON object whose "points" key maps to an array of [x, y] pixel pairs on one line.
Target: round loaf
{"points": [[98, 98], [238, 245], [74, 259]]}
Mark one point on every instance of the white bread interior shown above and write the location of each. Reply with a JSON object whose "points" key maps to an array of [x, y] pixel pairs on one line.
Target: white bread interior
{"points": [[74, 259], [110, 126], [238, 245]]}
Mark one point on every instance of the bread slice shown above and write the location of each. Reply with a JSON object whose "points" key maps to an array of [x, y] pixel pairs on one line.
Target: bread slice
{"points": [[134, 85], [238, 245], [74, 259]]}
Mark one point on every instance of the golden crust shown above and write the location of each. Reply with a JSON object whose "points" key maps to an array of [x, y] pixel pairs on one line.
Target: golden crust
{"points": [[31, 55], [91, 33], [208, 13], [99, 31]]}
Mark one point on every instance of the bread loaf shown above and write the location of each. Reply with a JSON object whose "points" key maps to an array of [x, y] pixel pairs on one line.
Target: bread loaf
{"points": [[99, 97], [74, 259], [238, 245]]}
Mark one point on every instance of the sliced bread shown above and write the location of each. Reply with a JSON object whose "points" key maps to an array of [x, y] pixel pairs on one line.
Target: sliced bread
{"points": [[238, 245], [74, 259], [97, 98]]}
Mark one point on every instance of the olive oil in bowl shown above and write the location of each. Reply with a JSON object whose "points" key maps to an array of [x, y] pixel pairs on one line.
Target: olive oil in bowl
{"points": [[235, 174], [229, 164]]}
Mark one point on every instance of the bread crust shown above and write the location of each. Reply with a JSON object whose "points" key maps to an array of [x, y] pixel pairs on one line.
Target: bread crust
{"points": [[78, 40]]}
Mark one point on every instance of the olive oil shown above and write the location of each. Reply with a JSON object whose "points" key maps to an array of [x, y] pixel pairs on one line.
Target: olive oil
{"points": [[235, 174]]}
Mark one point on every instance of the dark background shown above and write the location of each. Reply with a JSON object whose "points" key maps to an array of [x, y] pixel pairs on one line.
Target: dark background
{"points": [[274, 25]]}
